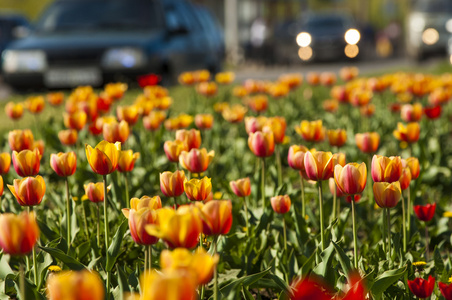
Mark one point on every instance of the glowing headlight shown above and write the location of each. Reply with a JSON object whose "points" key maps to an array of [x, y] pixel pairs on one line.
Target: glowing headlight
{"points": [[304, 39], [417, 23], [123, 58], [430, 36], [27, 61], [352, 36], [449, 25]]}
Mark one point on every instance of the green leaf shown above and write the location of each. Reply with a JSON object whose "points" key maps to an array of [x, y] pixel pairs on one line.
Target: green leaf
{"points": [[384, 281], [30, 290], [115, 247], [47, 232], [324, 267], [5, 269], [69, 261], [307, 266], [439, 264], [344, 260]]}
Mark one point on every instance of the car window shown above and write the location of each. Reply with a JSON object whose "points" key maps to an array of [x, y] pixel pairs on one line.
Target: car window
{"points": [[433, 6], [180, 16], [101, 15]]}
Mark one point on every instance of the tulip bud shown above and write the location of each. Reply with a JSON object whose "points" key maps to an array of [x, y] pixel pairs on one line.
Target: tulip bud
{"points": [[28, 191], [196, 160], [103, 159], [241, 187], [126, 161], [319, 165], [68, 137], [351, 179], [64, 164], [67, 285], [261, 143], [198, 189], [172, 184], [18, 233], [386, 169], [387, 194], [217, 217], [280, 204], [95, 191]]}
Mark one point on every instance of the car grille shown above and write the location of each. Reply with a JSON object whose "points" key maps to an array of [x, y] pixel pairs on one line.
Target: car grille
{"points": [[74, 57]]}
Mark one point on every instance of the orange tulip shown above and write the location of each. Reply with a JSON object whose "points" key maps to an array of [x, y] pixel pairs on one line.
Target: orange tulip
{"points": [[75, 285], [153, 120], [186, 78], [409, 133], [39, 145], [331, 105], [196, 160], [239, 91], [257, 103], [387, 194], [55, 99], [204, 121], [116, 90], [411, 113], [253, 124], [386, 169], [76, 120], [198, 189], [292, 80], [28, 191], [225, 77], [68, 137], [261, 143], [413, 164], [179, 122], [127, 159], [280, 204], [319, 165], [367, 110], [295, 158], [339, 159], [340, 93], [172, 184], [367, 142], [348, 73], [405, 178], [178, 228], [360, 97], [313, 78], [5, 162], [328, 78], [207, 89], [116, 132], [64, 164], [104, 158], [18, 233], [311, 131], [277, 125], [144, 202], [334, 188], [234, 114], [20, 140], [337, 137], [35, 104], [192, 138], [27, 162], [129, 114], [217, 217], [351, 179], [173, 149], [169, 284], [95, 191], [14, 110], [241, 187], [138, 219]]}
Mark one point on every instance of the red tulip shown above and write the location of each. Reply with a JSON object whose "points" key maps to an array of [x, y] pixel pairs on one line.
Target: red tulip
{"points": [[425, 212], [446, 290], [281, 204], [304, 289], [422, 288], [433, 112]]}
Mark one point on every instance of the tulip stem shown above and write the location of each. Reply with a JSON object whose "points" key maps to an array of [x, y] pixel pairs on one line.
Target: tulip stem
{"points": [[335, 202], [409, 208], [175, 203], [322, 238], [85, 220], [146, 259], [68, 215], [355, 243], [106, 229], [384, 235], [246, 216], [285, 235], [98, 225], [388, 212], [150, 257], [427, 250], [22, 281], [303, 202], [404, 225], [215, 274], [126, 180], [263, 181], [278, 165], [35, 269], [369, 176]]}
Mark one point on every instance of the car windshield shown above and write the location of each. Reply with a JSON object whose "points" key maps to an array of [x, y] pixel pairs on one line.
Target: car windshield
{"points": [[325, 23], [434, 6], [101, 15]]}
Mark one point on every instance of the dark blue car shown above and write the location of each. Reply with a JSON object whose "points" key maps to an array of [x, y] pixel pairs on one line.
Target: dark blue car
{"points": [[90, 42]]}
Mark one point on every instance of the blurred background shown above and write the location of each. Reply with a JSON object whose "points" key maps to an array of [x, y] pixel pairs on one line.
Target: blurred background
{"points": [[64, 43]]}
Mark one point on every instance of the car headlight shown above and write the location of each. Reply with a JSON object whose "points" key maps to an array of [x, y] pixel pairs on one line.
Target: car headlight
{"points": [[352, 36], [25, 61], [416, 23], [124, 58], [430, 36], [304, 39]]}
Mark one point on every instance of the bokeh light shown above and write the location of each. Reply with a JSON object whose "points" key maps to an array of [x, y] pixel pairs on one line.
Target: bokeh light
{"points": [[304, 39], [430, 36], [351, 51], [352, 36], [305, 53]]}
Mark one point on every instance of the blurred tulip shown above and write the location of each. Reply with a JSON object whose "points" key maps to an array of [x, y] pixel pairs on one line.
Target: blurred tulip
{"points": [[198, 189], [278, 90], [411, 113], [340, 93], [20, 140], [234, 114], [367, 110], [339, 159], [319, 165], [360, 97], [348, 73], [253, 124], [239, 91], [204, 121], [64, 164], [104, 158], [357, 290], [217, 217], [367, 142], [173, 149], [422, 288], [304, 289], [337, 137], [386, 194], [409, 133], [127, 159], [351, 179], [115, 90], [116, 132], [95, 191], [55, 98], [313, 78], [18, 233], [186, 78], [145, 202], [192, 138], [241, 187], [5, 162], [277, 125], [39, 144], [425, 212], [280, 204], [446, 290], [76, 120], [128, 114], [295, 157], [207, 89], [14, 110], [292, 80], [153, 120], [68, 137], [196, 160], [262, 144], [138, 219], [172, 184], [169, 285], [405, 178], [27, 162], [311, 131], [225, 77], [28, 191], [331, 105], [148, 80], [413, 164], [35, 104], [334, 188], [386, 169], [328, 78], [433, 112], [75, 285], [257, 103], [179, 122]]}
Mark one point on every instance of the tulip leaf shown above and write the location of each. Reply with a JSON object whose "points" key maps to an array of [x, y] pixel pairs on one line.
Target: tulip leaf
{"points": [[5, 269], [307, 266], [324, 267], [48, 233], [115, 247], [439, 264], [69, 261], [30, 290], [344, 260], [384, 281]]}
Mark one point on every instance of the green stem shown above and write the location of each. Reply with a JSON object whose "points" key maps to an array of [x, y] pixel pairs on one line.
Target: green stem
{"points": [[203, 288], [107, 231], [389, 233], [404, 225], [322, 237], [335, 202], [246, 216], [369, 179], [263, 182], [278, 165], [355, 243], [427, 250], [285, 235], [146, 259], [85, 221], [175, 203], [22, 281], [98, 225], [35, 269], [127, 190], [150, 257], [409, 208], [303, 202], [68, 215], [385, 243], [215, 274]]}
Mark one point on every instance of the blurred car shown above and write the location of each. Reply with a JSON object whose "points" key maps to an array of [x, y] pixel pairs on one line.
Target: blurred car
{"points": [[12, 27], [90, 42], [429, 27], [328, 36]]}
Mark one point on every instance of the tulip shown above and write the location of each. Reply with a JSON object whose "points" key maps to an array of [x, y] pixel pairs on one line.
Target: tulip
{"points": [[225, 77], [179, 122], [446, 290], [387, 194], [319, 165], [196, 160], [405, 178], [169, 284], [280, 204], [39, 145], [198, 189], [367, 142], [138, 219], [116, 132], [413, 164], [239, 91], [76, 120], [339, 159], [331, 105], [253, 124], [28, 191], [20, 140], [257, 103], [360, 97], [14, 110], [409, 133], [351, 179], [234, 114], [116, 90], [68, 137], [55, 99], [425, 212], [18, 233], [295, 157], [172, 184], [386, 169], [35, 104], [311, 131], [144, 202], [127, 159], [153, 120], [207, 89], [411, 113], [422, 288], [95, 128], [148, 80], [173, 149], [313, 78], [204, 121], [64, 164], [200, 263], [95, 191], [104, 158], [334, 189], [348, 73], [217, 217], [128, 114], [178, 228], [192, 138], [75, 285], [368, 110], [337, 137], [5, 162], [241, 187], [277, 125], [433, 112], [309, 289], [261, 143]]}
